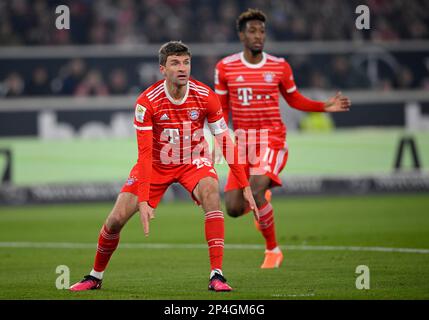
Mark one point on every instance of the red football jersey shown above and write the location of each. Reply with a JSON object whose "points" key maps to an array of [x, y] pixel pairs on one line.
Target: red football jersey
{"points": [[178, 125], [252, 92]]}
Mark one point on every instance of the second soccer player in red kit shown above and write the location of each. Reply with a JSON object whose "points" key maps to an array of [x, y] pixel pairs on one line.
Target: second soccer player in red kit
{"points": [[169, 120], [249, 85]]}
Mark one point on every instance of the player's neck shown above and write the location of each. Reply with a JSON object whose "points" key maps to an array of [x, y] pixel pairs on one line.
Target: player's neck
{"points": [[176, 92], [252, 58]]}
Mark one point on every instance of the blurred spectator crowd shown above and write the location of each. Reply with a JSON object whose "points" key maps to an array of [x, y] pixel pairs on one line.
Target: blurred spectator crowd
{"points": [[87, 77], [73, 78], [24, 22]]}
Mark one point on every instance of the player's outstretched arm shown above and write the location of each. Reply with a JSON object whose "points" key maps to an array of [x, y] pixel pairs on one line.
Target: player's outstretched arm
{"points": [[337, 103], [296, 100]]}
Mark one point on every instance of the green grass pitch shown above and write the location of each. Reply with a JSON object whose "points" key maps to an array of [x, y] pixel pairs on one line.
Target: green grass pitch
{"points": [[180, 272]]}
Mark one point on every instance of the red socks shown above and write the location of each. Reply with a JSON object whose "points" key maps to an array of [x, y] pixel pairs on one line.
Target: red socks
{"points": [[107, 243], [214, 229], [267, 227]]}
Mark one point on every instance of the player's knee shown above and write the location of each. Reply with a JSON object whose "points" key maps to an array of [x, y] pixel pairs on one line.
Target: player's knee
{"points": [[210, 196], [234, 211], [209, 192], [113, 225], [234, 203], [115, 221]]}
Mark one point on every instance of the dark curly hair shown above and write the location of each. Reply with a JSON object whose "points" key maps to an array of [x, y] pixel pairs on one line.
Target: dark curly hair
{"points": [[250, 14]]}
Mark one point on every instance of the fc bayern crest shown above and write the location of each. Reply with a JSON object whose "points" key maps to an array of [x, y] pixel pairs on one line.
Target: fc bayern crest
{"points": [[194, 115], [269, 77]]}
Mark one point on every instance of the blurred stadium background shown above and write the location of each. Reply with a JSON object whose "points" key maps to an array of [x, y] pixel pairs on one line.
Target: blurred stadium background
{"points": [[67, 96]]}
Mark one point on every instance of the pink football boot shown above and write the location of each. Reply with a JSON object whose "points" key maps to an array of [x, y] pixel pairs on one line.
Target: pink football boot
{"points": [[88, 283], [218, 283]]}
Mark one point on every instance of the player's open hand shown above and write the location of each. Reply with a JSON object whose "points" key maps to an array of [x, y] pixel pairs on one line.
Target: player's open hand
{"points": [[338, 103], [146, 213], [248, 196]]}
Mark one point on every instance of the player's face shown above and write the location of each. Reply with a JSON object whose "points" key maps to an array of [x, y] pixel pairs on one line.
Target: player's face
{"points": [[177, 69], [253, 36]]}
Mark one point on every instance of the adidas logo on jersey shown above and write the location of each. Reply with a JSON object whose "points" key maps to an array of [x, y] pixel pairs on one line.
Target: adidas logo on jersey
{"points": [[240, 79], [164, 117]]}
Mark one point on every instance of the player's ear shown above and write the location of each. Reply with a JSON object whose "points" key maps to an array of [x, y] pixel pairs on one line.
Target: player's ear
{"points": [[162, 69], [241, 35]]}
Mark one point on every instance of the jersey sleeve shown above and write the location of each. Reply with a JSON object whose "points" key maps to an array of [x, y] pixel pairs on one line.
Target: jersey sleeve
{"points": [[143, 114], [143, 124], [293, 97], [221, 88], [215, 117], [287, 82]]}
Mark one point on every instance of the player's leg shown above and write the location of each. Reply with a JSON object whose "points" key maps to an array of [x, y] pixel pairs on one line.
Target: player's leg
{"points": [[235, 203], [108, 240], [125, 207], [201, 181], [207, 194], [273, 255], [260, 184]]}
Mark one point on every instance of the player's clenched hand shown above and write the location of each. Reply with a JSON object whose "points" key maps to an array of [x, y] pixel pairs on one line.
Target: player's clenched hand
{"points": [[248, 196], [338, 103], [146, 213]]}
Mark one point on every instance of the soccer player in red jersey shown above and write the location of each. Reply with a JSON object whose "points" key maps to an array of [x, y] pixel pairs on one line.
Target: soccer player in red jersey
{"points": [[169, 120], [249, 84]]}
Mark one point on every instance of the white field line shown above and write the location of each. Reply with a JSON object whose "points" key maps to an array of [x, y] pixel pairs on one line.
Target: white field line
{"points": [[76, 245]]}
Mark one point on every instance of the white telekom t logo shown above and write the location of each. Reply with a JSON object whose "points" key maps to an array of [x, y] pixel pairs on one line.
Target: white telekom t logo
{"points": [[245, 94]]}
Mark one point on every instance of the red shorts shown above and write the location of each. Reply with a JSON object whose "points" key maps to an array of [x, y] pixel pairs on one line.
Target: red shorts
{"points": [[188, 175], [261, 160]]}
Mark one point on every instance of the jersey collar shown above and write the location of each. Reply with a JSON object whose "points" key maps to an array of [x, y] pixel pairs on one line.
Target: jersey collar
{"points": [[172, 99], [251, 65]]}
